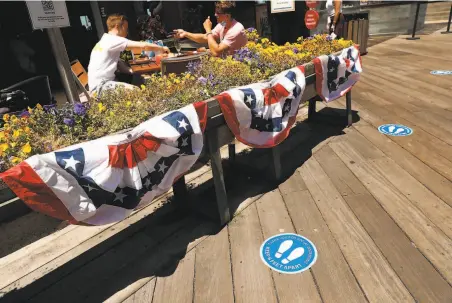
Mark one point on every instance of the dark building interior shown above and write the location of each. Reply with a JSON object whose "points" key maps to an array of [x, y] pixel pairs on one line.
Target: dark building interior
{"points": [[25, 52]]}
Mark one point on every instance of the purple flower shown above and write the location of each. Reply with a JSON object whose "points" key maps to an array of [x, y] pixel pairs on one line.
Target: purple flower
{"points": [[202, 80], [25, 114], [295, 50], [328, 38], [250, 29], [79, 109], [69, 121], [49, 107], [193, 67]]}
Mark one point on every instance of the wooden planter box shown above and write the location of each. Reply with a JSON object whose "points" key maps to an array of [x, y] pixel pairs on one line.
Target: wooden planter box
{"points": [[217, 135]]}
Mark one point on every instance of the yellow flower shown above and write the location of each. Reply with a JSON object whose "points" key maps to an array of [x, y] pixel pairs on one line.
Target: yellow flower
{"points": [[16, 159], [128, 103], [13, 118], [16, 133], [6, 117], [176, 81], [4, 147], [27, 129], [2, 135], [26, 148], [143, 87], [112, 114], [38, 106], [187, 76], [6, 125], [30, 110], [13, 144], [101, 107]]}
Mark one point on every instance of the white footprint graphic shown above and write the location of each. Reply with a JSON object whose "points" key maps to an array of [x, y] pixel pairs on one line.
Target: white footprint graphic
{"points": [[283, 247], [391, 128], [399, 130], [295, 254]]}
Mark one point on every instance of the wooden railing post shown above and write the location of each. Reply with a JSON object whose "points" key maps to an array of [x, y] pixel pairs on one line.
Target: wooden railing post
{"points": [[448, 22], [348, 99], [218, 177]]}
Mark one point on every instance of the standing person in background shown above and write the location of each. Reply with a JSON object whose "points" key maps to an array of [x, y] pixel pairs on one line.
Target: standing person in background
{"points": [[335, 18], [104, 60], [227, 37]]}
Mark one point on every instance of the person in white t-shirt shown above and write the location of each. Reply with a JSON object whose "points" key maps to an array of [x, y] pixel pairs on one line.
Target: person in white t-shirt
{"points": [[104, 60]]}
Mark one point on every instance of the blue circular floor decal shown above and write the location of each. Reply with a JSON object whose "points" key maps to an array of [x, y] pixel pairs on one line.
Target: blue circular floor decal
{"points": [[395, 130], [441, 72], [288, 253]]}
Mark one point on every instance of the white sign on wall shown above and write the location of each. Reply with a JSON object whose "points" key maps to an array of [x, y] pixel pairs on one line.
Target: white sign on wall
{"points": [[281, 6], [47, 14]]}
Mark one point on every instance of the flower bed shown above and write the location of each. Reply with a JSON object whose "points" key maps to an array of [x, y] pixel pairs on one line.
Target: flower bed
{"points": [[44, 129]]}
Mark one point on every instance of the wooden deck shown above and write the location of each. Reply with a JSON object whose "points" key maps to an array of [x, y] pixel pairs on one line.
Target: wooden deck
{"points": [[378, 209]]}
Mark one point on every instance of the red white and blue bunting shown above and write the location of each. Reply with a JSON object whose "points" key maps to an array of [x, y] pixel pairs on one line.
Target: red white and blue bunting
{"points": [[336, 75], [261, 114], [102, 181]]}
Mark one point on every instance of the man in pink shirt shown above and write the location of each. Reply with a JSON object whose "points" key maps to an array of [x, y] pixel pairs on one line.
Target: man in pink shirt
{"points": [[227, 37]]}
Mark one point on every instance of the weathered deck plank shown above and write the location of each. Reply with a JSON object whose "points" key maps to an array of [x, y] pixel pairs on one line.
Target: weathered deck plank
{"points": [[381, 284], [274, 220], [416, 272], [423, 232], [333, 276], [253, 281], [213, 276], [178, 287]]}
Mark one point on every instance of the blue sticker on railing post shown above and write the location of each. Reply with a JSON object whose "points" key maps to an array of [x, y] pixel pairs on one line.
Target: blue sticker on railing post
{"points": [[441, 72], [288, 253], [397, 130]]}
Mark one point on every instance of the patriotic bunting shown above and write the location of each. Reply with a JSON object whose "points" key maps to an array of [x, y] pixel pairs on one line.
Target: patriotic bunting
{"points": [[335, 75], [261, 114], [104, 180]]}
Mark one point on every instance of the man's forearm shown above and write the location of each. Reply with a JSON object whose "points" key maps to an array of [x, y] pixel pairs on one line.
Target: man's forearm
{"points": [[213, 45], [144, 46], [199, 38]]}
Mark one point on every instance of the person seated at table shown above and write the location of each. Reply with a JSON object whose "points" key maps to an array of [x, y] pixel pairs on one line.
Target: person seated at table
{"points": [[227, 37], [104, 60]]}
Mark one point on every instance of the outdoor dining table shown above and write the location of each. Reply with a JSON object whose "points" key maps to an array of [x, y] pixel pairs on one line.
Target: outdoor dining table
{"points": [[142, 67]]}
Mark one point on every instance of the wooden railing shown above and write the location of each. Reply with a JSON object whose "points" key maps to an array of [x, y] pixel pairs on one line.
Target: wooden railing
{"points": [[217, 135]]}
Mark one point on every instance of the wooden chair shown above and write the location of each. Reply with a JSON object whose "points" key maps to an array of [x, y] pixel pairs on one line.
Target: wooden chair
{"points": [[81, 77]]}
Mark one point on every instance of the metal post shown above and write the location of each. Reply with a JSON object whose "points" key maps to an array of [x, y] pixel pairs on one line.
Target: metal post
{"points": [[415, 24], [63, 64], [448, 23], [97, 19]]}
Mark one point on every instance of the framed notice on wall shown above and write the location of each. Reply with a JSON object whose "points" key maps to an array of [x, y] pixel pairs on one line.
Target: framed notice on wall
{"points": [[282, 6], [47, 14]]}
